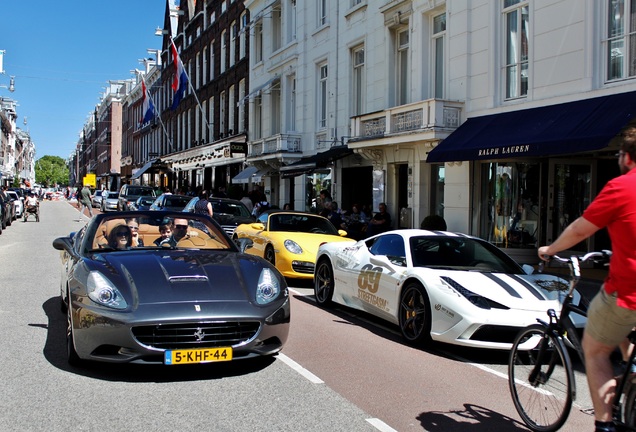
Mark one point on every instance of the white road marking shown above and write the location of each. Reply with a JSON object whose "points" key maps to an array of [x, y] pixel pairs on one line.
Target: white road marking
{"points": [[298, 368], [380, 425]]}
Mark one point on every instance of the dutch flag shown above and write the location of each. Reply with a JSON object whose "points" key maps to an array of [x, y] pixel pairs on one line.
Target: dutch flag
{"points": [[147, 107], [180, 80]]}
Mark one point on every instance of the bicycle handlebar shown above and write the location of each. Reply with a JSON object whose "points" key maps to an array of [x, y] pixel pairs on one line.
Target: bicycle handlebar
{"points": [[574, 260]]}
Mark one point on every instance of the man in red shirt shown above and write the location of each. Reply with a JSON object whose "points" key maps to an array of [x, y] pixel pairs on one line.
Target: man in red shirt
{"points": [[612, 313]]}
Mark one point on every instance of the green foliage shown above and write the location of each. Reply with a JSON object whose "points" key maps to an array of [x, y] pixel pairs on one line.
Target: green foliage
{"points": [[51, 170], [16, 181]]}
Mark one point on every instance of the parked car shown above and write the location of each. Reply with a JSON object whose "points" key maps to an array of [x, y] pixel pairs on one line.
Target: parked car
{"points": [[200, 300], [109, 201], [228, 212], [436, 285], [97, 199], [170, 202], [290, 240], [17, 202], [8, 211], [142, 203], [128, 194]]}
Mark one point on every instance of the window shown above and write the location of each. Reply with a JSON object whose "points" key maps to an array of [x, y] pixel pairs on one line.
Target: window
{"points": [[198, 70], [275, 108], [322, 13], [211, 120], [241, 107], [258, 117], [516, 19], [291, 21], [358, 80], [233, 37], [322, 97], [231, 110], [402, 64], [223, 49], [277, 29], [204, 66], [212, 61], [439, 30], [437, 189], [242, 38], [621, 39], [258, 42], [291, 104], [222, 106]]}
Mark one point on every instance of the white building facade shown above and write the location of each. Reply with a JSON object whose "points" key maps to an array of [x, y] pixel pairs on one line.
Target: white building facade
{"points": [[499, 115]]}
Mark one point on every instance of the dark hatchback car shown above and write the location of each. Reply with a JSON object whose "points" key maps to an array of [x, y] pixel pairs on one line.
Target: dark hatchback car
{"points": [[128, 194], [229, 213], [170, 202], [142, 203]]}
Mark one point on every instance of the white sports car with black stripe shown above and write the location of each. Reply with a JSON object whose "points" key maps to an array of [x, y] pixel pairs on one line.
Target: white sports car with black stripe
{"points": [[443, 286]]}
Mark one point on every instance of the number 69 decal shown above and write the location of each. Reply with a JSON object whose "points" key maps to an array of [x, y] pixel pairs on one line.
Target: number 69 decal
{"points": [[369, 278]]}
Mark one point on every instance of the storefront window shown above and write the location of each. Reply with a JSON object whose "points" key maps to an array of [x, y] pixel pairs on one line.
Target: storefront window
{"points": [[316, 182], [437, 190], [510, 208]]}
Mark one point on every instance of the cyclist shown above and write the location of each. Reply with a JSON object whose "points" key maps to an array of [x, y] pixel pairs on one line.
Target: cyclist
{"points": [[31, 203], [612, 312]]}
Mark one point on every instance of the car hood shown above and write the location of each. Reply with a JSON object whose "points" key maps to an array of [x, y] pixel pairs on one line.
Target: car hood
{"points": [[182, 276], [308, 241], [536, 292]]}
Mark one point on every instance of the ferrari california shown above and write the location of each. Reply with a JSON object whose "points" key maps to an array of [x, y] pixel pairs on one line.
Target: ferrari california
{"points": [[289, 240], [440, 286], [188, 295]]}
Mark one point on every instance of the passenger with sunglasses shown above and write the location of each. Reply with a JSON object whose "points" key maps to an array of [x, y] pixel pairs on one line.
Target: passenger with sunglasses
{"points": [[120, 237], [133, 224]]}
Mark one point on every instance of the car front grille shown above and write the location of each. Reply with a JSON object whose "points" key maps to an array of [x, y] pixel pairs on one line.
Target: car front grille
{"points": [[498, 334], [196, 334], [229, 229], [303, 267]]}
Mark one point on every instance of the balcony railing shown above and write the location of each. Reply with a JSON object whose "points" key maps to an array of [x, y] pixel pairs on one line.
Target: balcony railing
{"points": [[286, 143], [428, 115]]}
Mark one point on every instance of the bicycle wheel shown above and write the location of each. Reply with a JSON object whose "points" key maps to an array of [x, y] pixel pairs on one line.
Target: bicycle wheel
{"points": [[541, 379]]}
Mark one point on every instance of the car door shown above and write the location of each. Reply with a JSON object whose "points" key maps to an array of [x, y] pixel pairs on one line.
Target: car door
{"points": [[380, 275]]}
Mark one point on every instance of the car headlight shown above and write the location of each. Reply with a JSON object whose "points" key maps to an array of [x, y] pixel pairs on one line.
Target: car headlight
{"points": [[268, 287], [293, 247], [476, 299], [103, 292]]}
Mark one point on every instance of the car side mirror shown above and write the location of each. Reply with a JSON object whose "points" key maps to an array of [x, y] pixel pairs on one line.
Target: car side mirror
{"points": [[258, 226], [528, 269], [244, 243], [342, 233]]}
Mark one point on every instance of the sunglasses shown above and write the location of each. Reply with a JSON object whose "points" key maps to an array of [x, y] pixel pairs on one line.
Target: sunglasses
{"points": [[181, 226], [136, 228], [121, 234]]}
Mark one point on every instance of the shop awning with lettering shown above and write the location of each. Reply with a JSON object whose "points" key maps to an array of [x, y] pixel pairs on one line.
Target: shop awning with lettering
{"points": [[567, 128]]}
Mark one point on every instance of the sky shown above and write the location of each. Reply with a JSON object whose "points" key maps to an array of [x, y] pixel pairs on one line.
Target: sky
{"points": [[63, 53]]}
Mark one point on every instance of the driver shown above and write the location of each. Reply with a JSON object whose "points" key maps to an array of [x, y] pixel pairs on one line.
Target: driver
{"points": [[179, 231]]}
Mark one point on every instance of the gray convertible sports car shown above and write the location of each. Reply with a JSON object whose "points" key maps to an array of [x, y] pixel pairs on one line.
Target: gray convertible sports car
{"points": [[167, 287]]}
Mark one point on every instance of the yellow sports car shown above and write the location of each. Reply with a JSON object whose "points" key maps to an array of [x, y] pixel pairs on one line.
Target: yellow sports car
{"points": [[289, 240]]}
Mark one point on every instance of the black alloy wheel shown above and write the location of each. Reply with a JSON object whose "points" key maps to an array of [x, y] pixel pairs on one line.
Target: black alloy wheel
{"points": [[415, 314], [270, 255], [324, 283]]}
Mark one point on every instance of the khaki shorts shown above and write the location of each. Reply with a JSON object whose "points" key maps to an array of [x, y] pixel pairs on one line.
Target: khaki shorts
{"points": [[608, 323]]}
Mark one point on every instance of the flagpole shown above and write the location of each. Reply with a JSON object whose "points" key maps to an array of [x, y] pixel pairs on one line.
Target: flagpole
{"points": [[205, 119]]}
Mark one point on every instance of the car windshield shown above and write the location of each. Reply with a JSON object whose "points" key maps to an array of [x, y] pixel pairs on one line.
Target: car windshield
{"points": [[177, 201], [112, 195], [460, 253], [231, 208], [306, 223], [139, 191], [149, 230]]}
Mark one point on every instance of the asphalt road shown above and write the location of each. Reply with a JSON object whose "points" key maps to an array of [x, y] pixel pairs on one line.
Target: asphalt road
{"points": [[338, 372]]}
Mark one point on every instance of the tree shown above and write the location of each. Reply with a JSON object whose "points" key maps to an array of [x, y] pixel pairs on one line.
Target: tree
{"points": [[51, 170]]}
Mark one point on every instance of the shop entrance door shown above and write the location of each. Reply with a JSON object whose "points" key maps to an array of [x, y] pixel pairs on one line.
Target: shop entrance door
{"points": [[569, 194]]}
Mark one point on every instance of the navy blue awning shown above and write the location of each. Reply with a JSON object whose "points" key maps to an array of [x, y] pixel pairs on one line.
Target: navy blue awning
{"points": [[566, 128]]}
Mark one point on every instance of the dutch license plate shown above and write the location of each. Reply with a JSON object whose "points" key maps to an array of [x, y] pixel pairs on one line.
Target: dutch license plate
{"points": [[206, 355]]}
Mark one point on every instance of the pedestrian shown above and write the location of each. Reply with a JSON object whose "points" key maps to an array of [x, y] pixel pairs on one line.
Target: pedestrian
{"points": [[86, 200], [380, 222], [612, 313], [203, 206]]}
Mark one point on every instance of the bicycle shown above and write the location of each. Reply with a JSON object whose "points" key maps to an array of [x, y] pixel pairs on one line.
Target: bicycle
{"points": [[540, 371]]}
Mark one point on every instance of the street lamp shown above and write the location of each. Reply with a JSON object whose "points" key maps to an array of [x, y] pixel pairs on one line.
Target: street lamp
{"points": [[11, 86]]}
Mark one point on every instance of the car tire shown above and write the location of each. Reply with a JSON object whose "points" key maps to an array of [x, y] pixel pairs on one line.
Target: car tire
{"points": [[415, 314], [323, 282], [270, 255], [71, 355]]}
